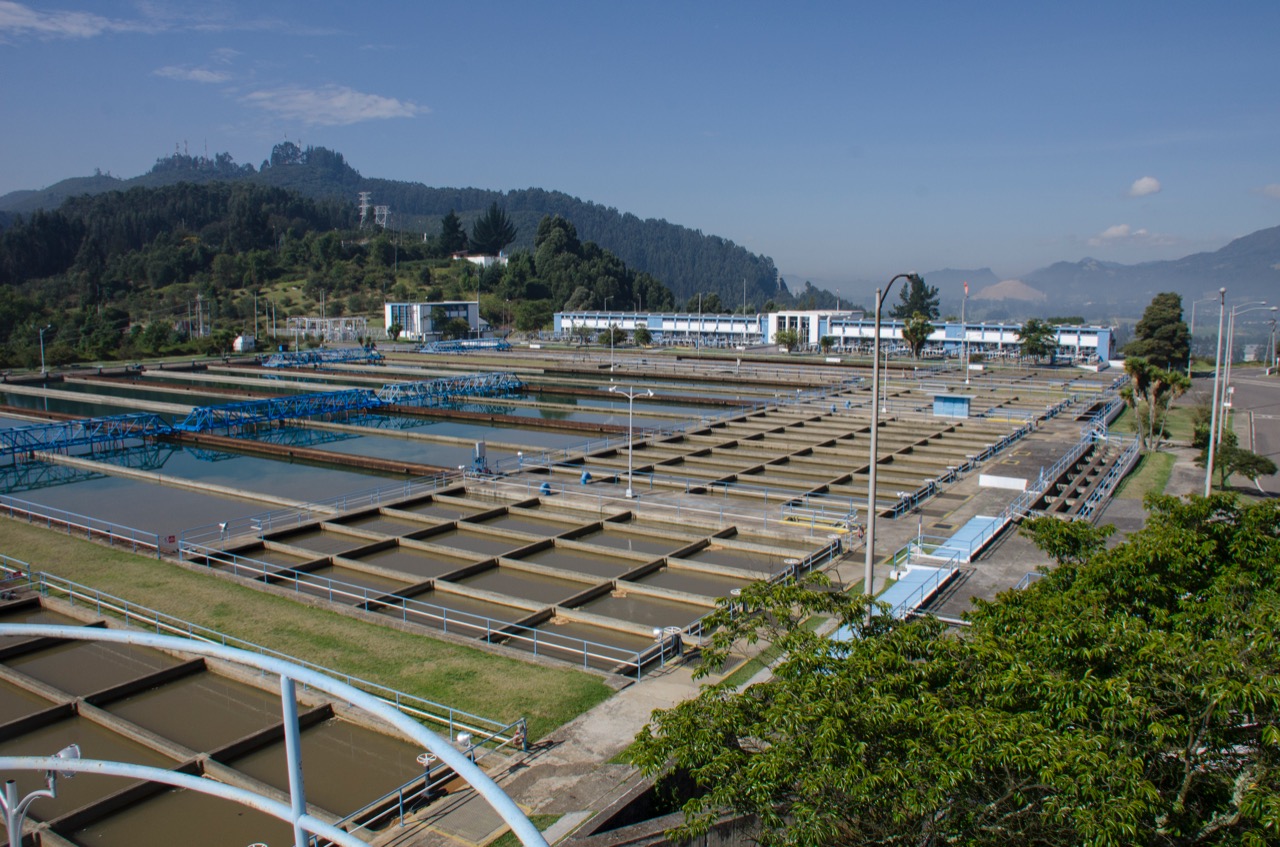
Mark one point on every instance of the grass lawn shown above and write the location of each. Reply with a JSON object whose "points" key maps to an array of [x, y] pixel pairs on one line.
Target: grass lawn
{"points": [[508, 838], [1177, 427], [474, 680], [1151, 474]]}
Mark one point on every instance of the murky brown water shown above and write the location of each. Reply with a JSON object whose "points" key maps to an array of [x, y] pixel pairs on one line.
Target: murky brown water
{"points": [[580, 561], [188, 819], [344, 766], [695, 582], [202, 712], [95, 742], [539, 588], [83, 667]]}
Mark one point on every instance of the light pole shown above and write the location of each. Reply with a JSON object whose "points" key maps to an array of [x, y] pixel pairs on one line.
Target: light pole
{"points": [[1213, 412], [964, 337], [42, 332], [15, 810], [1271, 347], [609, 325], [1238, 309], [631, 401], [869, 574], [1191, 342]]}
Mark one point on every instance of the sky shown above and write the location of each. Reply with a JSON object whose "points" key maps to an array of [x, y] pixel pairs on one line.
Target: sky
{"points": [[849, 141]]}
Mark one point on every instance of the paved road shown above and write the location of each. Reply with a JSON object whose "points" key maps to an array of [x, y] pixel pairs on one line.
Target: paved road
{"points": [[1257, 420]]}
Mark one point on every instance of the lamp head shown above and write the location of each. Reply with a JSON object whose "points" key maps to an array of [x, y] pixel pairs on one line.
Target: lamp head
{"points": [[612, 389], [648, 392], [71, 751]]}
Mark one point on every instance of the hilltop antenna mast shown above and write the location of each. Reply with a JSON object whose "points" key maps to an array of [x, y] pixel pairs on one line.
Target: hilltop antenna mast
{"points": [[364, 207]]}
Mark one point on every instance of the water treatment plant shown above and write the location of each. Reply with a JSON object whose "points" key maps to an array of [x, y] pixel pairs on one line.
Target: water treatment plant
{"points": [[563, 507]]}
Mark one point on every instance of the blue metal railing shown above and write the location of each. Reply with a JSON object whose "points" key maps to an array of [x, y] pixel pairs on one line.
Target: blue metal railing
{"points": [[133, 614], [90, 528], [416, 611]]}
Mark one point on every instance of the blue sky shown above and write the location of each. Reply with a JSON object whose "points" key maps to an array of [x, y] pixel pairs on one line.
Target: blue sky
{"points": [[849, 141]]}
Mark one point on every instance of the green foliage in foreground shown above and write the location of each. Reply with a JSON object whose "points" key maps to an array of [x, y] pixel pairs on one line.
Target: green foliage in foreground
{"points": [[1129, 697]]}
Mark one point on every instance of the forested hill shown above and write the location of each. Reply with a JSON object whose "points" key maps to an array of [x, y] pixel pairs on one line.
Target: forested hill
{"points": [[686, 260]]}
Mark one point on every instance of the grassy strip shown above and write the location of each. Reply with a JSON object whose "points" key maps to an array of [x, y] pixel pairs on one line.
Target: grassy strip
{"points": [[1151, 475], [509, 839], [465, 678], [1178, 427]]}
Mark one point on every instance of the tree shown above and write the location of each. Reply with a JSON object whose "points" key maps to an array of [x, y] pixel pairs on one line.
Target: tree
{"points": [[916, 332], [788, 338], [612, 337], [641, 336], [1229, 458], [916, 296], [825, 343], [453, 238], [492, 232], [1150, 391], [1038, 339], [1161, 336], [1130, 697], [393, 331]]}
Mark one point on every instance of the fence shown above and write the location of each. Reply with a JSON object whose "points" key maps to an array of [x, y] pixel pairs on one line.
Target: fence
{"points": [[448, 621], [90, 528], [255, 526], [489, 731]]}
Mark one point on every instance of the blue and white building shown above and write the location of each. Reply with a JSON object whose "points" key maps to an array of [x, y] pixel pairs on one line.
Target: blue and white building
{"points": [[418, 320], [850, 331]]}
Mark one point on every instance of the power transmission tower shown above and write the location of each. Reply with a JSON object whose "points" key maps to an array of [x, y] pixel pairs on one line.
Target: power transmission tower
{"points": [[364, 207]]}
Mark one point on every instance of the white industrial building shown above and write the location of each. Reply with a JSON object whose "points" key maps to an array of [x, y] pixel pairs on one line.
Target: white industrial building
{"points": [[848, 331], [425, 321]]}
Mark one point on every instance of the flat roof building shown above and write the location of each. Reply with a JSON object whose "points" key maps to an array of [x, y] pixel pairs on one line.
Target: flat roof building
{"points": [[426, 321], [850, 331]]}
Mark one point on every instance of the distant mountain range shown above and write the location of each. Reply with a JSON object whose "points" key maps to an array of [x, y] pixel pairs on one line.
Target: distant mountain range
{"points": [[690, 262], [1249, 267]]}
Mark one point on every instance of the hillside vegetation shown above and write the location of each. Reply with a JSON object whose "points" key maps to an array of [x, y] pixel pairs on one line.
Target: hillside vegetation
{"points": [[183, 268], [685, 260]]}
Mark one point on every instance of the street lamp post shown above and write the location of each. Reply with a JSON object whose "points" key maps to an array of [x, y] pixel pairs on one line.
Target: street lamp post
{"points": [[1239, 309], [15, 810], [43, 330], [1213, 413], [1191, 341], [1271, 347], [964, 338], [631, 401], [609, 325], [869, 574]]}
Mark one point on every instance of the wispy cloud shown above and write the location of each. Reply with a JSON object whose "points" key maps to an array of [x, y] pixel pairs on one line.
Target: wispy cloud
{"points": [[1144, 186], [1119, 232], [191, 74], [18, 20], [1272, 190], [1123, 234], [331, 105]]}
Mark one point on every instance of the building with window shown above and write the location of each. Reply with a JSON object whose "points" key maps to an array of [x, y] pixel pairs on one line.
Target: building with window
{"points": [[848, 331], [425, 321]]}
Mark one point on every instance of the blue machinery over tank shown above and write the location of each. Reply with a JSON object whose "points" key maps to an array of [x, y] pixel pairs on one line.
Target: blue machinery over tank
{"points": [[116, 430]]}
